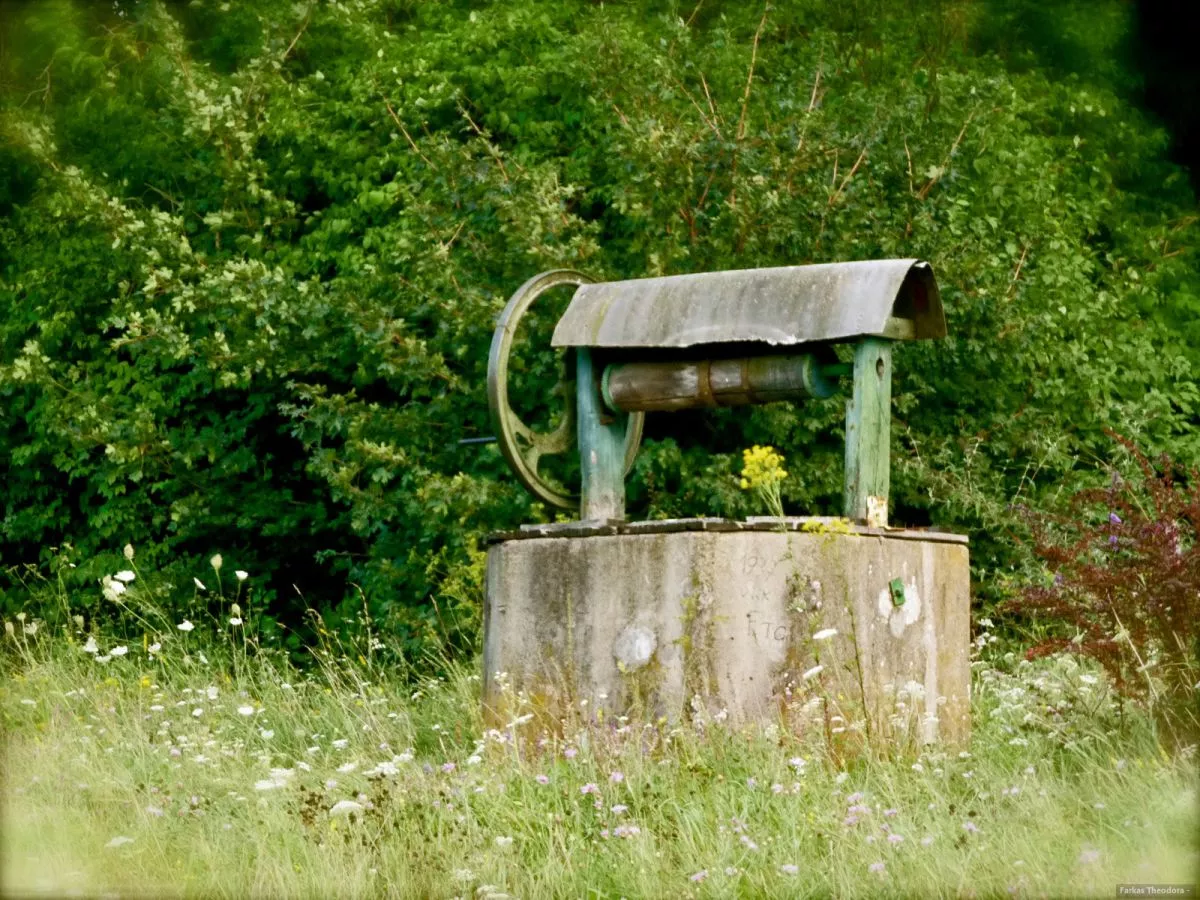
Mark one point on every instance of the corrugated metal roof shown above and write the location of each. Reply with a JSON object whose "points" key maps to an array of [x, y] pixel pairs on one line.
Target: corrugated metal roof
{"points": [[779, 306]]}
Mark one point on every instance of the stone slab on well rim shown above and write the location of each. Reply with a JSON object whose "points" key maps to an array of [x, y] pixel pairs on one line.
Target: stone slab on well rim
{"points": [[818, 524], [651, 622]]}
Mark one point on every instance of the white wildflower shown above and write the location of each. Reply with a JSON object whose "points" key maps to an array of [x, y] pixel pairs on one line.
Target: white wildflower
{"points": [[346, 768], [119, 651], [199, 583], [813, 672], [125, 576], [503, 841], [129, 552], [154, 648], [119, 841], [91, 646], [241, 574], [245, 710], [825, 634], [216, 562], [185, 625], [345, 807]]}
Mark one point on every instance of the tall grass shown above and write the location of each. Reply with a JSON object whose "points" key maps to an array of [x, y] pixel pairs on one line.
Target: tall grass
{"points": [[212, 767]]}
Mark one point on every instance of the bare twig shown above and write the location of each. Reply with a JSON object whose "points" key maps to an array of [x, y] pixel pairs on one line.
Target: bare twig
{"points": [[404, 131], [711, 123], [741, 129], [928, 186], [688, 23], [908, 156], [845, 181], [495, 154], [1012, 286], [712, 106], [303, 28]]}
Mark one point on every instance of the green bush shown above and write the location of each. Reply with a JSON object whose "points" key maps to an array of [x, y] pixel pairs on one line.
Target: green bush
{"points": [[251, 254]]}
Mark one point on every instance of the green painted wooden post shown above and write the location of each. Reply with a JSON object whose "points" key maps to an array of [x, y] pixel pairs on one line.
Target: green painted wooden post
{"points": [[601, 446], [868, 433]]}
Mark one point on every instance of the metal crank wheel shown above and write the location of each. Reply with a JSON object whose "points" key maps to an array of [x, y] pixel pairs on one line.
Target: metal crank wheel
{"points": [[521, 445]]}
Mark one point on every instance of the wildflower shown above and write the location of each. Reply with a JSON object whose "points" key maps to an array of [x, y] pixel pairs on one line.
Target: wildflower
{"points": [[119, 841], [118, 651], [698, 876], [241, 574], [798, 763], [777, 788], [626, 831], [570, 752], [266, 733], [125, 576], [474, 759], [731, 871], [216, 562], [877, 868], [235, 620], [825, 634], [406, 756], [9, 630], [1114, 519], [789, 869], [1089, 857], [891, 812], [856, 797], [747, 842], [245, 710], [970, 827], [384, 768], [346, 768], [813, 672], [541, 779], [185, 626], [616, 777], [447, 767], [503, 841], [590, 788], [154, 648], [895, 838], [927, 840], [198, 712], [345, 807], [129, 552], [89, 647], [340, 744], [619, 808], [199, 584], [154, 811]]}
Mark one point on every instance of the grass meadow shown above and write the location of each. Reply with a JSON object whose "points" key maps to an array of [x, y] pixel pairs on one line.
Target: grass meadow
{"points": [[182, 759]]}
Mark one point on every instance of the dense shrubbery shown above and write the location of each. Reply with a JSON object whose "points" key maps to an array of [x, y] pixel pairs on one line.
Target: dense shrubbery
{"points": [[1124, 582], [250, 256]]}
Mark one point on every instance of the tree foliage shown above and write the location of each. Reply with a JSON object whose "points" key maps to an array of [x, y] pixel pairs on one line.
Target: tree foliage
{"points": [[251, 254]]}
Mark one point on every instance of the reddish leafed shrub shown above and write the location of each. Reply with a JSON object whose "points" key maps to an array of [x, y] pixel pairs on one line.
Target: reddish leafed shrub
{"points": [[1125, 587]]}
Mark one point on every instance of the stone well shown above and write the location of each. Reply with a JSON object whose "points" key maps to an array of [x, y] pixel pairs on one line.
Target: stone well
{"points": [[700, 616]]}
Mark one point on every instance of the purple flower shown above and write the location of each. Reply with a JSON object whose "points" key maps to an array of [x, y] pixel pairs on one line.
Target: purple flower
{"points": [[542, 779], [1112, 540], [448, 767], [895, 838], [877, 868], [856, 797], [970, 827], [751, 782], [890, 812], [570, 752], [699, 876], [616, 777], [619, 808], [1114, 518], [590, 788]]}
